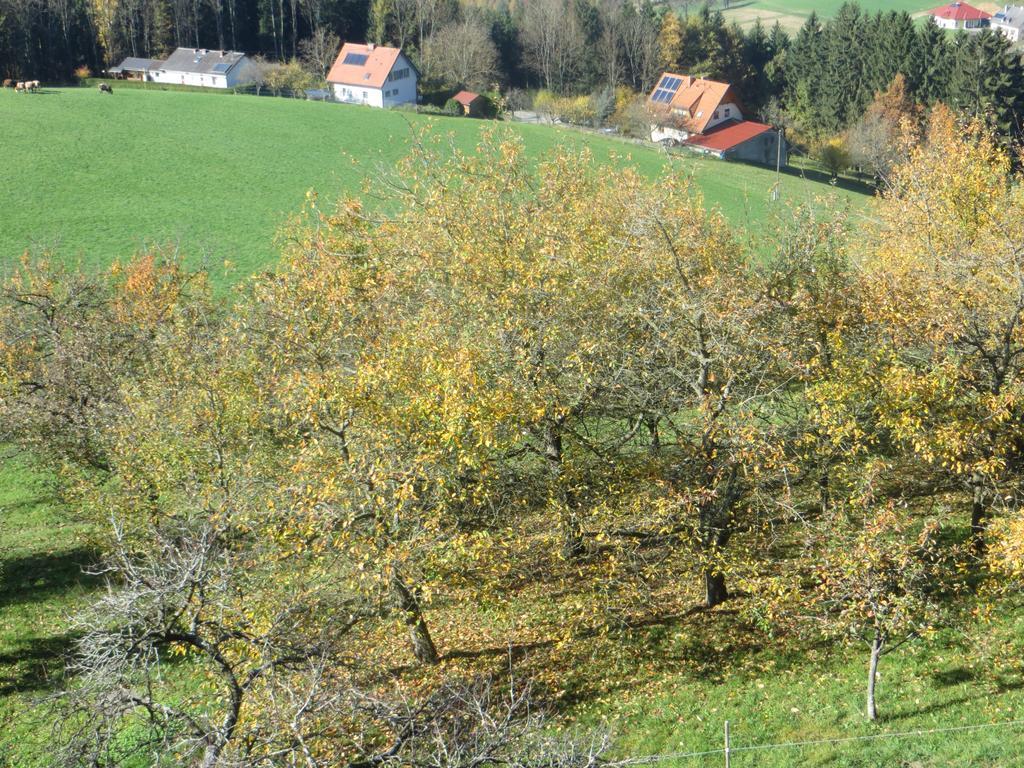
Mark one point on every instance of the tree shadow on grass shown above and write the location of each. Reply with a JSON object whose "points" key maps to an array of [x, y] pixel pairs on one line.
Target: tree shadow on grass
{"points": [[35, 664], [37, 577]]}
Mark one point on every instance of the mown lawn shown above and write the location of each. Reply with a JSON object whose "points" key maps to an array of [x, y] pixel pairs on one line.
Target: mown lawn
{"points": [[98, 177], [676, 689], [43, 551]]}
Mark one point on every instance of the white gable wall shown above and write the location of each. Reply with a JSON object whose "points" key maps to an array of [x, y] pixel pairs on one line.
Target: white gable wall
{"points": [[724, 113], [402, 90]]}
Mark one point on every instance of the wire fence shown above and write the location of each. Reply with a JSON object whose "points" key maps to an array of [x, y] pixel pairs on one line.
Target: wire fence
{"points": [[728, 750]]}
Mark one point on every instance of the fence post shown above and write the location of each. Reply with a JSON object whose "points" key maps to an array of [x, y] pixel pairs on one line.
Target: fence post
{"points": [[727, 764]]}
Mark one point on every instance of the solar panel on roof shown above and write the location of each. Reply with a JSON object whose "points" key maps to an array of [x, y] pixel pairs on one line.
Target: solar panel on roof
{"points": [[221, 67], [358, 59], [670, 84], [662, 96]]}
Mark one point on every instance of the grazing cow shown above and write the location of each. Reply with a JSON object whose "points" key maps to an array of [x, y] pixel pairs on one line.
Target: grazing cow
{"points": [[105, 88], [32, 85], [19, 87], [8, 83]]}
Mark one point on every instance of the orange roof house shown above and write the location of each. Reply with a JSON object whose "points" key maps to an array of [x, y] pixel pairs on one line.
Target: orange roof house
{"points": [[377, 75], [693, 103], [706, 116]]}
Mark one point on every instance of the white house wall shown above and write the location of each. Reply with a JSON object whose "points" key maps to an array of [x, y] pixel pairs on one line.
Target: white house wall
{"points": [[1011, 33], [725, 112], [353, 94], [662, 133]]}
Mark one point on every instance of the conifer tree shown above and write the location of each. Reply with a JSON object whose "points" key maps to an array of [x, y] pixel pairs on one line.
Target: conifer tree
{"points": [[930, 73]]}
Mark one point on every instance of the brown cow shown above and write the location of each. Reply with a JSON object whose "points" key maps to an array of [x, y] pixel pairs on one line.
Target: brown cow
{"points": [[8, 83], [19, 87]]}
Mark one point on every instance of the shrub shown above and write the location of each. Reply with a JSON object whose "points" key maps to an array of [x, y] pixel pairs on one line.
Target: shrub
{"points": [[82, 74], [544, 103], [834, 156], [287, 77], [631, 116], [452, 107], [578, 110]]}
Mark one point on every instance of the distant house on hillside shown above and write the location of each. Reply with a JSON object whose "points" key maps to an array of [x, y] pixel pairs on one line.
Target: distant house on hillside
{"points": [[705, 116], [375, 75], [133, 68], [1009, 22], [206, 68], [958, 15]]}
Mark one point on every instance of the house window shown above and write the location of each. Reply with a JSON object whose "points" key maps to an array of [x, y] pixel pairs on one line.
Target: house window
{"points": [[727, 111], [398, 74], [715, 117]]}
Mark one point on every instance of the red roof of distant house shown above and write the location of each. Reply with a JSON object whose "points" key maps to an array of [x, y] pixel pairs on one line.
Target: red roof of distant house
{"points": [[725, 137], [366, 65], [959, 12], [465, 98]]}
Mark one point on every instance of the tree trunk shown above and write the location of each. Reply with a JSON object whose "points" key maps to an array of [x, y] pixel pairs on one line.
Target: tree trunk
{"points": [[876, 653], [979, 513], [824, 492], [422, 644], [715, 591], [654, 447], [572, 530]]}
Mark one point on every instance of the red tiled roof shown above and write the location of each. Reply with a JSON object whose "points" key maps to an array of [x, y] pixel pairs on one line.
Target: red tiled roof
{"points": [[374, 70], [959, 12], [724, 138], [465, 98]]}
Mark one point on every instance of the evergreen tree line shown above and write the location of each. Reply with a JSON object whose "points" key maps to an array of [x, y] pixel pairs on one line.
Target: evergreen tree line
{"points": [[831, 71]]}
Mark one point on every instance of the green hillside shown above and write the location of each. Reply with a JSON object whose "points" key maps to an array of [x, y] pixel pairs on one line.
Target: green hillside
{"points": [[792, 13], [98, 177]]}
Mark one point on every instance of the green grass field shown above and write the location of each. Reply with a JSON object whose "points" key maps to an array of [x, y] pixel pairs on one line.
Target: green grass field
{"points": [[43, 550], [793, 13], [98, 177]]}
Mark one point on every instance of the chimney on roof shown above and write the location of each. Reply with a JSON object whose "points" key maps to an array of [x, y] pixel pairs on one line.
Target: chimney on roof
{"points": [[370, 46]]}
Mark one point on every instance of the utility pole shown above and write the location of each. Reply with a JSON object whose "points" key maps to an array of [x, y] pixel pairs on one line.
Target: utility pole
{"points": [[778, 162]]}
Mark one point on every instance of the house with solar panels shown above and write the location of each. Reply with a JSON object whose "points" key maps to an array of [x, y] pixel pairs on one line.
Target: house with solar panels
{"points": [[205, 68], [706, 116], [375, 75]]}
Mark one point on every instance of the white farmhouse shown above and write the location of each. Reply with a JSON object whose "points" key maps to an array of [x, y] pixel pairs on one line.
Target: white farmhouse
{"points": [[957, 15], [205, 68], [375, 75], [1009, 22]]}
